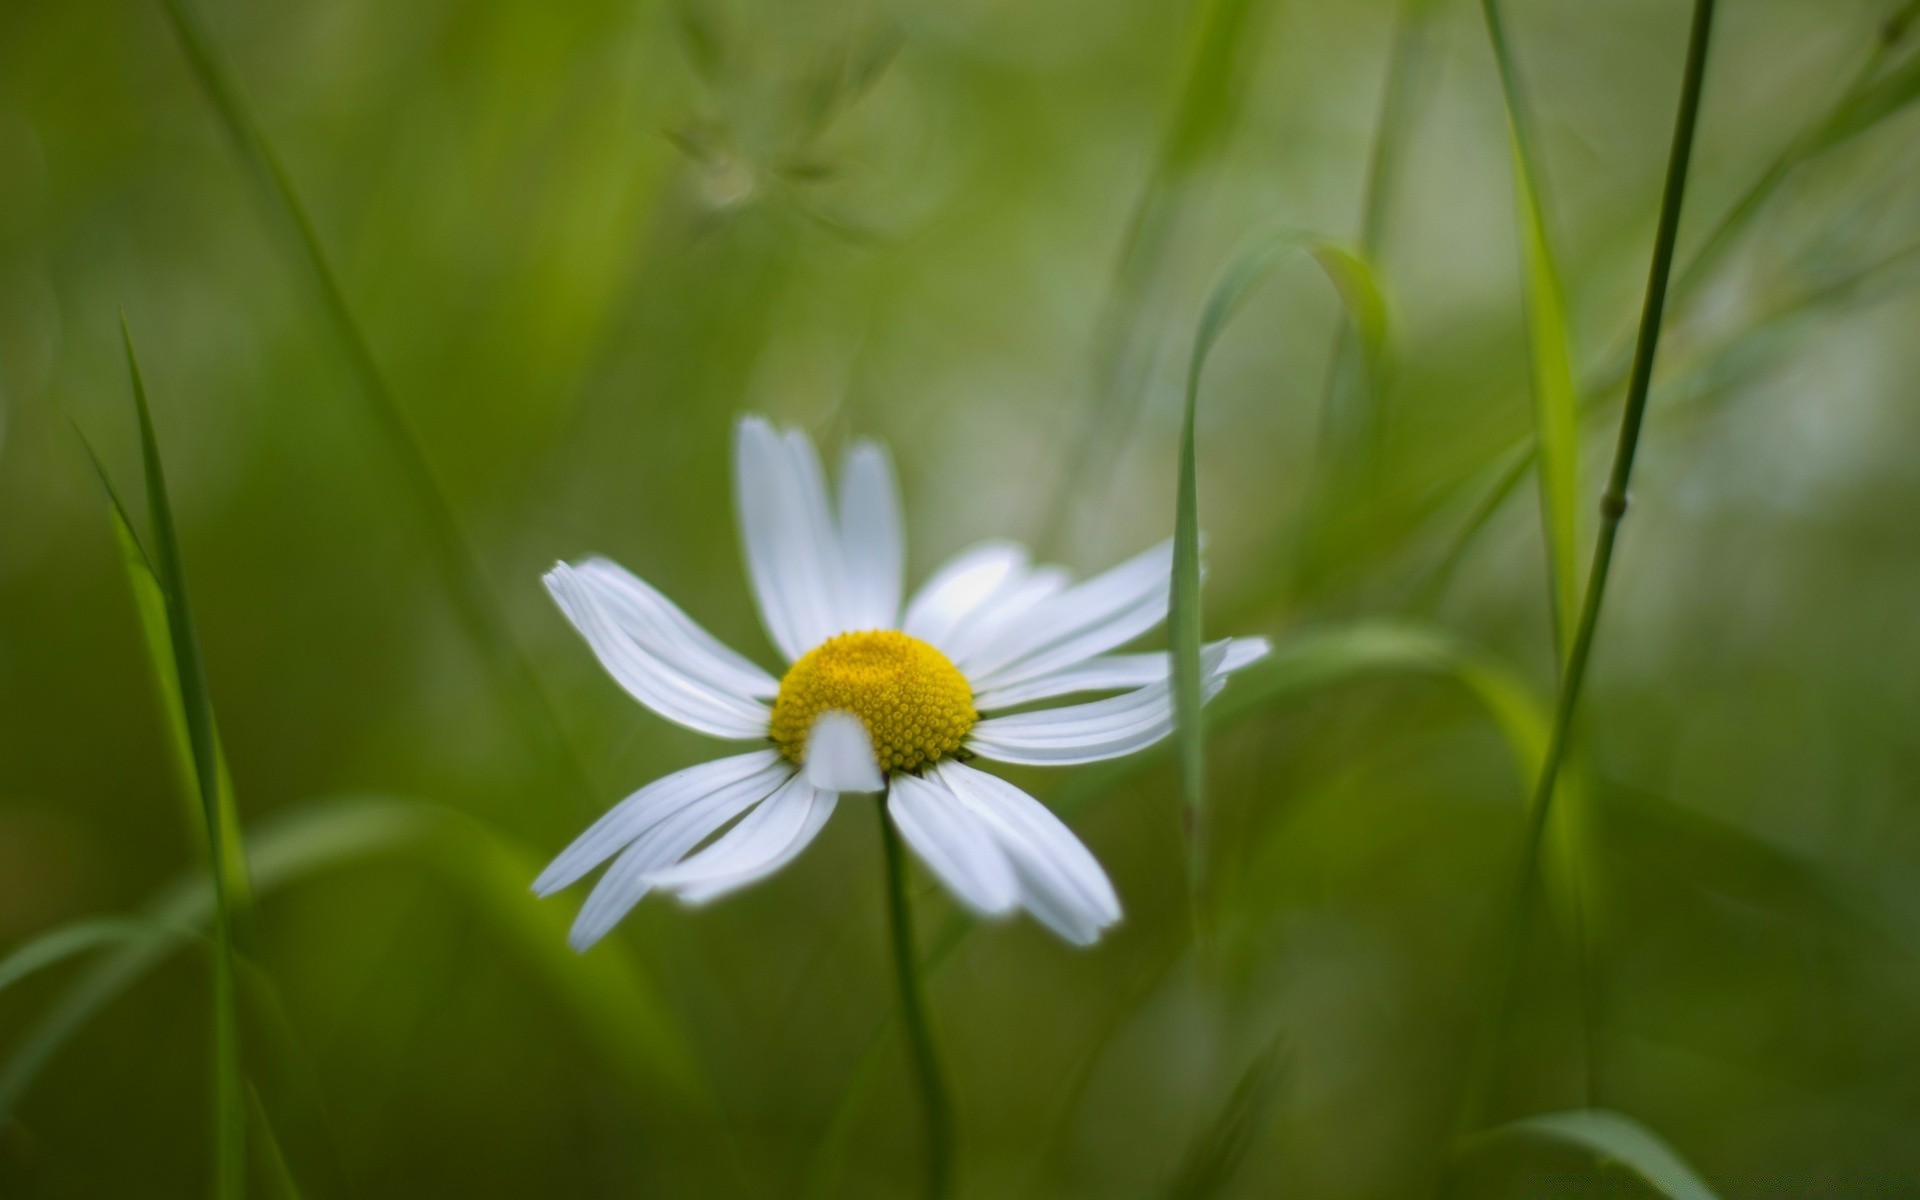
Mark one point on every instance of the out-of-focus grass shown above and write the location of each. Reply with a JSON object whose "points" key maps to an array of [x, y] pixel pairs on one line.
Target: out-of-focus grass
{"points": [[578, 240]]}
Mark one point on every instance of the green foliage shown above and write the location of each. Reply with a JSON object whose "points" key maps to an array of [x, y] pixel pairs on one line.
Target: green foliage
{"points": [[1614, 1139]]}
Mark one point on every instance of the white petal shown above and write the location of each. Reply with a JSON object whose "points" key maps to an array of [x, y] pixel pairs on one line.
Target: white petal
{"points": [[765, 840], [628, 880], [1083, 733], [840, 755], [872, 543], [1090, 618], [1111, 672], [954, 843], [1061, 883], [649, 806], [665, 689], [1015, 600], [962, 584], [793, 549], [669, 634]]}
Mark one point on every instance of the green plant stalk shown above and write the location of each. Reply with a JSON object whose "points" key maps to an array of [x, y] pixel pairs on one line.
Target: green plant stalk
{"points": [[913, 1015], [453, 558], [1613, 509]]}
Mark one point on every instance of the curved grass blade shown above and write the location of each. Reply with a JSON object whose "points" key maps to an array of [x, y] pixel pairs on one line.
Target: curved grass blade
{"points": [[609, 996], [79, 938], [1217, 1152], [1612, 1138], [1555, 396], [460, 572], [285, 848], [1360, 296]]}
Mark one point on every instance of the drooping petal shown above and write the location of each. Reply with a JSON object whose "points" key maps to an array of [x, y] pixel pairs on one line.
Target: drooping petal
{"points": [[1099, 729], [1089, 618], [840, 755], [664, 688], [872, 538], [1113, 672], [961, 584], [648, 807], [628, 880], [954, 843], [792, 547], [765, 840], [667, 633], [1061, 883]]}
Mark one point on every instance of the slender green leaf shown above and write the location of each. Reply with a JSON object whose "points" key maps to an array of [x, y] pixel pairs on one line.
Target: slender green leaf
{"points": [[1613, 1139], [1556, 397], [1221, 1147], [177, 662], [78, 938], [1869, 105], [1354, 283]]}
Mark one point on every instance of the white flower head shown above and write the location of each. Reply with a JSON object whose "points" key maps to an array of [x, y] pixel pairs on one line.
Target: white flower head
{"points": [[875, 698]]}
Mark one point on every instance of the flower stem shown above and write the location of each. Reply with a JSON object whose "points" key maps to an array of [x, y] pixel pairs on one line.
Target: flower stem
{"points": [[1613, 508], [913, 1016]]}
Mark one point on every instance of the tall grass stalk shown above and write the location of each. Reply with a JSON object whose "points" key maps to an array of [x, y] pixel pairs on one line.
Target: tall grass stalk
{"points": [[1613, 509], [936, 1107], [473, 600]]}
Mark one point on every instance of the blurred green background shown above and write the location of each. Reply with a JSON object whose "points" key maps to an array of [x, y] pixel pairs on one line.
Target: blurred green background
{"points": [[579, 239]]}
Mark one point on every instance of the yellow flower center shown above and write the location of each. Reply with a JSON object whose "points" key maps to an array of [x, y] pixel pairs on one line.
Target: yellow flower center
{"points": [[916, 705]]}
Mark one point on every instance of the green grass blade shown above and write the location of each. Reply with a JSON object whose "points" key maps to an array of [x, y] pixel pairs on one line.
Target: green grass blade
{"points": [[1221, 1147], [1556, 397], [178, 662], [460, 572], [1365, 309], [76, 939], [1612, 1138], [273, 1159]]}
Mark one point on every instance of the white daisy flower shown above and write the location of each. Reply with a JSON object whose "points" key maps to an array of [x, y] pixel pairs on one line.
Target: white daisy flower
{"points": [[875, 698]]}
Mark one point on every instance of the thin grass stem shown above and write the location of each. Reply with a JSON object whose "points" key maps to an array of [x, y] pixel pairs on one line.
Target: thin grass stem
{"points": [[1613, 509]]}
